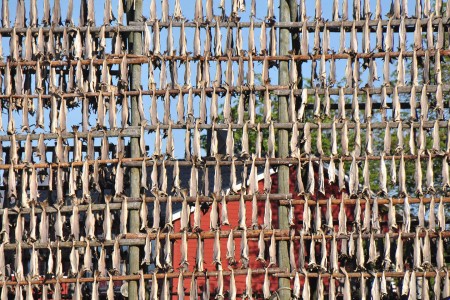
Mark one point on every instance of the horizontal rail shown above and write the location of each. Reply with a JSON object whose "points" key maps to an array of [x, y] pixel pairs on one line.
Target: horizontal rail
{"points": [[209, 161], [410, 23], [285, 234], [276, 89], [275, 272], [115, 59], [135, 203], [133, 131], [311, 26], [281, 199], [186, 275], [138, 239]]}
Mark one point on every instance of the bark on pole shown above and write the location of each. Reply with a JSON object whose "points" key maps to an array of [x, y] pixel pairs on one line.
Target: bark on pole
{"points": [[283, 146], [134, 13]]}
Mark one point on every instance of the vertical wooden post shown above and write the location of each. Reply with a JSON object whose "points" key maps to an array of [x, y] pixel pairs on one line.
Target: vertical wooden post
{"points": [[134, 13], [283, 146]]}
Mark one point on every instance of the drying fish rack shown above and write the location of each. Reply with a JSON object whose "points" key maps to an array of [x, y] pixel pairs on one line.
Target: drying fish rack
{"points": [[110, 188]]}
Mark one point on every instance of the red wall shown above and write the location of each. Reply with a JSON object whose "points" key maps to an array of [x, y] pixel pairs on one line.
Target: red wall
{"points": [[233, 209]]}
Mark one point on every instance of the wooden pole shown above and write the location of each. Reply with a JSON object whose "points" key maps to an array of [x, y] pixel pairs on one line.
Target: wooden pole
{"points": [[283, 147], [134, 13]]}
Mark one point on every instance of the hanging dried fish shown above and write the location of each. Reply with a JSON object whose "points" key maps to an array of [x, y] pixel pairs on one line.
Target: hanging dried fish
{"points": [[50, 262], [424, 104], [351, 245], [154, 288], [107, 222], [147, 250], [198, 13], [445, 173], [74, 260], [412, 285], [430, 175], [342, 219], [168, 253], [261, 247], [34, 262], [2, 264], [266, 285], [143, 213], [302, 254], [252, 179], [399, 254], [18, 263], [436, 138], [267, 214], [418, 176], [59, 266], [197, 216], [87, 259], [437, 286], [184, 218], [199, 257], [440, 214], [354, 176], [244, 249], [306, 293], [157, 251], [90, 223], [426, 250], [75, 221], [417, 251], [440, 261], [230, 255], [375, 291], [405, 286], [402, 176]]}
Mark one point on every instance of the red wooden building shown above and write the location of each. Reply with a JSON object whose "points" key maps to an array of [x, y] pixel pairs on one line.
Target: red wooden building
{"points": [[233, 209]]}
